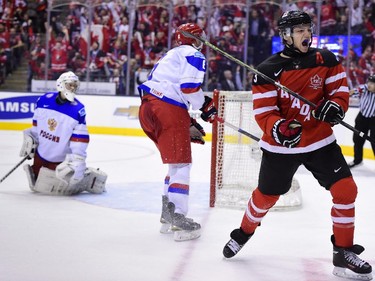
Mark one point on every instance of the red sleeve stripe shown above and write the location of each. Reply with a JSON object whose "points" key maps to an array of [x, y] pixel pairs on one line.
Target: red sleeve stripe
{"points": [[76, 139], [190, 90]]}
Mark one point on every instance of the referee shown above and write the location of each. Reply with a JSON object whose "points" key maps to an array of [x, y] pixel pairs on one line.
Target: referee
{"points": [[365, 120]]}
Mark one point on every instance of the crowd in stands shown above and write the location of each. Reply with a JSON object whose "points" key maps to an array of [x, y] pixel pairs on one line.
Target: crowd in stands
{"points": [[103, 56]]}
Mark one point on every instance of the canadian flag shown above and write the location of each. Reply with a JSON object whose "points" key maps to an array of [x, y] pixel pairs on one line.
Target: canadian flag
{"points": [[99, 33]]}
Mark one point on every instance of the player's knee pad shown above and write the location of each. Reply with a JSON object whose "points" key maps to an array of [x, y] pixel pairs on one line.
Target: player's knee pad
{"points": [[344, 191], [94, 181], [48, 183]]}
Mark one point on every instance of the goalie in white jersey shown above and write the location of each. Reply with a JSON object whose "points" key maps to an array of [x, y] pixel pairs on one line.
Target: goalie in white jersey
{"points": [[58, 141], [174, 87]]}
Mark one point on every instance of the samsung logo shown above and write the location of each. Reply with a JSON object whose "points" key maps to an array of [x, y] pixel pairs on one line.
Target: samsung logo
{"points": [[18, 107]]}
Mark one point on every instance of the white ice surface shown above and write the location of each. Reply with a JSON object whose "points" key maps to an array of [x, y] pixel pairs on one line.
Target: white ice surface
{"points": [[115, 236]]}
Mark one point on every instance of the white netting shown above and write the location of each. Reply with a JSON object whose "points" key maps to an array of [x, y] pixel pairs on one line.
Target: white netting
{"points": [[238, 156]]}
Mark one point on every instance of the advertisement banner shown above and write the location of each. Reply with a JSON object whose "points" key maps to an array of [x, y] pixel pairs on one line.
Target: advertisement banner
{"points": [[91, 88]]}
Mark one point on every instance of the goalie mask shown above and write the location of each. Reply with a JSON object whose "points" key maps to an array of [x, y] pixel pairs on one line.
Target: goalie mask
{"points": [[68, 84], [193, 29], [287, 23]]}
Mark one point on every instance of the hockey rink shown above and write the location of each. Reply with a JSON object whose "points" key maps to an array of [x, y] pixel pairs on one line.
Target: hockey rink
{"points": [[115, 236]]}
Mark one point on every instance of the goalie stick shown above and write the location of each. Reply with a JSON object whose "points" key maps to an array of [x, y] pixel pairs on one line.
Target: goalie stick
{"points": [[14, 168], [277, 84]]}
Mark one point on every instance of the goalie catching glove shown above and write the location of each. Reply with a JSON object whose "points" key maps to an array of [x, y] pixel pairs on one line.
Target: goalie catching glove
{"points": [[72, 170], [29, 145], [209, 110], [328, 111], [196, 132], [287, 132]]}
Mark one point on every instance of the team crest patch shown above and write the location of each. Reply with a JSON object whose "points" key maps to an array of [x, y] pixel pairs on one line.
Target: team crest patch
{"points": [[52, 124], [316, 82]]}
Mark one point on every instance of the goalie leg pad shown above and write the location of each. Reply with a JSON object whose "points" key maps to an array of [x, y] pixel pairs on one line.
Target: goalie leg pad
{"points": [[48, 183], [94, 181], [30, 176]]}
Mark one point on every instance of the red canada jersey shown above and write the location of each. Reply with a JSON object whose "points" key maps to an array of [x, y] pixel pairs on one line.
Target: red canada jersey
{"points": [[315, 76]]}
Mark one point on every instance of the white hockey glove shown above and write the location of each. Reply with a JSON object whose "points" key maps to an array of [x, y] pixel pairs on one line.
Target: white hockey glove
{"points": [[72, 170], [29, 145]]}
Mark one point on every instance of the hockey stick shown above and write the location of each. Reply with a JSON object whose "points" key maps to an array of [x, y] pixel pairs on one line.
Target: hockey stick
{"points": [[14, 168], [221, 120], [277, 84]]}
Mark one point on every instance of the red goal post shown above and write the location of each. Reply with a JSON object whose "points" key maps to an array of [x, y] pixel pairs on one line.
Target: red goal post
{"points": [[235, 158]]}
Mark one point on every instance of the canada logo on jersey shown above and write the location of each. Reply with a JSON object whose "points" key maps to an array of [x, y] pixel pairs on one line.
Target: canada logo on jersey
{"points": [[316, 82], [52, 124]]}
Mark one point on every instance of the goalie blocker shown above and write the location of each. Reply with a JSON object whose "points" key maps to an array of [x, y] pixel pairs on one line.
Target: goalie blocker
{"points": [[47, 183]]}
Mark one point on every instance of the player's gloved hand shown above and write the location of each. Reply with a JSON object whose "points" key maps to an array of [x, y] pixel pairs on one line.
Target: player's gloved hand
{"points": [[287, 132], [29, 145], [328, 111], [196, 132], [72, 170], [208, 109]]}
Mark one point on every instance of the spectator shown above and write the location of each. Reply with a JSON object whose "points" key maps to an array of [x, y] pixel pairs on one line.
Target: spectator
{"points": [[116, 57], [5, 42], [59, 58], [97, 61], [258, 32], [228, 82], [328, 17], [37, 56], [364, 62]]}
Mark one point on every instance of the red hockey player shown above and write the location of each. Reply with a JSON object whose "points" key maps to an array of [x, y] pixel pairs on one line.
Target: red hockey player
{"points": [[295, 134]]}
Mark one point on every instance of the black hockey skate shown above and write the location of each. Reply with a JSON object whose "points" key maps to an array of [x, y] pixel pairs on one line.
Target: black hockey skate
{"points": [[348, 264], [235, 244]]}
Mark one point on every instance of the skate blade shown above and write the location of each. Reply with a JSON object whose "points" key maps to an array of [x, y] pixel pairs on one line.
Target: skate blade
{"points": [[348, 274], [166, 228], [183, 235]]}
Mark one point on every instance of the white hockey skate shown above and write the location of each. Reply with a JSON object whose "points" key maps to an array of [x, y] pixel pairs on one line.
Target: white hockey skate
{"points": [[165, 218], [348, 265], [183, 228]]}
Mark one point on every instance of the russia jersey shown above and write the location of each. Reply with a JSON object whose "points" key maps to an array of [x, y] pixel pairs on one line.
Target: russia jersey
{"points": [[59, 128], [177, 77], [314, 76]]}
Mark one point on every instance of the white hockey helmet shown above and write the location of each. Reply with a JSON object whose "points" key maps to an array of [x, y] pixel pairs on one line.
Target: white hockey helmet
{"points": [[68, 84]]}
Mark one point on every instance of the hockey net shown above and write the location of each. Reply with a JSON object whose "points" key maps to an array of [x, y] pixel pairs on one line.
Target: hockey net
{"points": [[235, 159]]}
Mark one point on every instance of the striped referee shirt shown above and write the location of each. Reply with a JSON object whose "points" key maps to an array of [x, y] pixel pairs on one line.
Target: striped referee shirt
{"points": [[367, 102]]}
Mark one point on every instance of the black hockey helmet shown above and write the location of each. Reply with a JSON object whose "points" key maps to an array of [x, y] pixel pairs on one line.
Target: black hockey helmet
{"points": [[292, 18], [371, 78]]}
